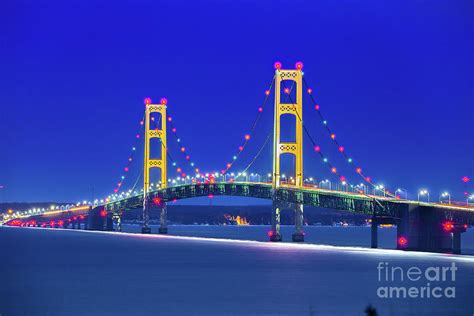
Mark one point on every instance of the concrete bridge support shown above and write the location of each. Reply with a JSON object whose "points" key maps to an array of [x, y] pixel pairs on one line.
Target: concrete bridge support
{"points": [[163, 225], [298, 236], [374, 241], [274, 233], [423, 228]]}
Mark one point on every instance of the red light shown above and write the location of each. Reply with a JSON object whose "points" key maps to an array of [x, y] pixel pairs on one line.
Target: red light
{"points": [[277, 65], [270, 233], [448, 226], [402, 241], [52, 223], [342, 178], [260, 109], [333, 170], [81, 216], [465, 179], [247, 136], [156, 201], [333, 136], [341, 149], [299, 65], [163, 101], [147, 101], [61, 223], [310, 90], [15, 222], [287, 90], [103, 213], [183, 175], [316, 107], [267, 92], [317, 149], [465, 226]]}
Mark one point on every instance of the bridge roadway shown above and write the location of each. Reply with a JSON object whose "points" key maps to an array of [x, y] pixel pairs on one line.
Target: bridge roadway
{"points": [[420, 226], [338, 200]]}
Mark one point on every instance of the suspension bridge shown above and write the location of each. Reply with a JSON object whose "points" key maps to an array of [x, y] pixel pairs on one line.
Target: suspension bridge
{"points": [[421, 226]]}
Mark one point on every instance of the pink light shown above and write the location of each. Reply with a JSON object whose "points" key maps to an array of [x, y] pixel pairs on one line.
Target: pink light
{"points": [[277, 65], [125, 169], [241, 148], [169, 119], [173, 129], [448, 226], [402, 241], [260, 109], [210, 196], [147, 101], [187, 157], [267, 92], [310, 90], [299, 65], [141, 122], [342, 178], [359, 170], [341, 149], [317, 149], [316, 107], [137, 136]]}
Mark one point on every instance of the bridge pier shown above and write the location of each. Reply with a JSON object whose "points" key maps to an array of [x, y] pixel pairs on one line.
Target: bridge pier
{"points": [[298, 236], [163, 225], [422, 228], [274, 233], [146, 229], [374, 241]]}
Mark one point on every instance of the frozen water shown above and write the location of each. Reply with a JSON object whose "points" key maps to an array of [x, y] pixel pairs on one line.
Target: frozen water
{"points": [[65, 272]]}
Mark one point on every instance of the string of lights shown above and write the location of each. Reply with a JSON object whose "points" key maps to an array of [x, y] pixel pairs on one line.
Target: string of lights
{"points": [[248, 136], [341, 149], [317, 148]]}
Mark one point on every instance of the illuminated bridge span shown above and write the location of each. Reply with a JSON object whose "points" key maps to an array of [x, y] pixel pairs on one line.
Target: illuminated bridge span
{"points": [[420, 226]]}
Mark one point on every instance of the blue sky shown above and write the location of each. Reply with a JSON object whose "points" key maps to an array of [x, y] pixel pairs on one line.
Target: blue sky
{"points": [[395, 81]]}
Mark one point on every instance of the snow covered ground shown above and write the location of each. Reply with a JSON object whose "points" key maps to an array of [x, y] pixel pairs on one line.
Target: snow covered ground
{"points": [[65, 272]]}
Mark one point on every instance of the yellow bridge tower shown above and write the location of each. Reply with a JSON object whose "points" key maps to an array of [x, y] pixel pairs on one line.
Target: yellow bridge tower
{"points": [[157, 131], [287, 80]]}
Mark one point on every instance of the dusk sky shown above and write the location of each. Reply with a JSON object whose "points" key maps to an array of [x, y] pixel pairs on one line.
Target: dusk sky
{"points": [[395, 81]]}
